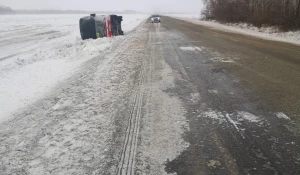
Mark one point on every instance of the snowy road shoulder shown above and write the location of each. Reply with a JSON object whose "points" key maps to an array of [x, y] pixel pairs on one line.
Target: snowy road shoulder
{"points": [[267, 33], [41, 51], [72, 130]]}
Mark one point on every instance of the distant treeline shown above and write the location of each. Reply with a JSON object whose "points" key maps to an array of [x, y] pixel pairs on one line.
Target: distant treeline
{"points": [[72, 12], [6, 10], [282, 13]]}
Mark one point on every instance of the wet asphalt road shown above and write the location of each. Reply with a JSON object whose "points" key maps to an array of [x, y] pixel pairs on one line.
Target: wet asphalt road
{"points": [[222, 81]]}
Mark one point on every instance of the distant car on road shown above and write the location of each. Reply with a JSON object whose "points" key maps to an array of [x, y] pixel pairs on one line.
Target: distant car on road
{"points": [[155, 18]]}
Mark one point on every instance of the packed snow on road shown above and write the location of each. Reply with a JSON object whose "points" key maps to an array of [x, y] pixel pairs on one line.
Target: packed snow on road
{"points": [[70, 106]]}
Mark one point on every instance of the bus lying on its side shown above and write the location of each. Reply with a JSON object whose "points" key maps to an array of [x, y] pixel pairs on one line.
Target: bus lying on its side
{"points": [[100, 26]]}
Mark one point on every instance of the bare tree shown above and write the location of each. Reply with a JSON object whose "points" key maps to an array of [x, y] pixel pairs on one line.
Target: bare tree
{"points": [[283, 13], [298, 10]]}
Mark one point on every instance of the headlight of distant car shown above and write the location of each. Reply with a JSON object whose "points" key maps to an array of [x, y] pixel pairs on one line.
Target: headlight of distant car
{"points": [[158, 18], [152, 19]]}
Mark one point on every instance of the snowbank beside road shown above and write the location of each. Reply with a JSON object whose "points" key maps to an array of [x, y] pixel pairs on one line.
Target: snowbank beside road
{"points": [[130, 22], [268, 33], [39, 51], [188, 16], [29, 77]]}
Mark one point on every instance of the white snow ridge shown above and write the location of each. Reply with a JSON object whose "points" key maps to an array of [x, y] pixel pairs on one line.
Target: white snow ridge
{"points": [[282, 115], [249, 117], [193, 49]]}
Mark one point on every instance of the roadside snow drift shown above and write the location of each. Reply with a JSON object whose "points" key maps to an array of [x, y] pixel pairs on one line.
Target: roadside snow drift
{"points": [[39, 51]]}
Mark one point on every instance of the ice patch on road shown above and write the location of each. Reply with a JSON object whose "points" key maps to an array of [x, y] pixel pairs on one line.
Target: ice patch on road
{"points": [[191, 48], [282, 116]]}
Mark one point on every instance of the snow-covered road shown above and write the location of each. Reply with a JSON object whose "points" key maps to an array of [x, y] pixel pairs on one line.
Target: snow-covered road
{"points": [[92, 121], [40, 51], [169, 98]]}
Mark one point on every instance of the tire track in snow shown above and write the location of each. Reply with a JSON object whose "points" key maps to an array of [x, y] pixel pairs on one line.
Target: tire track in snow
{"points": [[127, 160], [94, 66]]}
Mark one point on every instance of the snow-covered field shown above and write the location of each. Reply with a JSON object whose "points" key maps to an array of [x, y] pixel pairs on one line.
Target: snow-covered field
{"points": [[40, 51], [269, 33]]}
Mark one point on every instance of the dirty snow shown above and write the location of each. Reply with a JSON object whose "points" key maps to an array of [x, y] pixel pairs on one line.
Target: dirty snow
{"points": [[213, 115], [221, 59], [160, 142], [39, 51], [211, 91], [248, 116], [235, 118], [235, 124], [269, 33], [195, 97], [191, 48], [282, 115]]}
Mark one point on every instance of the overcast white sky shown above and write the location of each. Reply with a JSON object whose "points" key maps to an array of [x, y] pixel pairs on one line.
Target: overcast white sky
{"points": [[187, 6]]}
